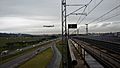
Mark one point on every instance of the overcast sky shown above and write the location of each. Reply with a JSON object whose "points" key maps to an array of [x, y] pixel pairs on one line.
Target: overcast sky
{"points": [[29, 16]]}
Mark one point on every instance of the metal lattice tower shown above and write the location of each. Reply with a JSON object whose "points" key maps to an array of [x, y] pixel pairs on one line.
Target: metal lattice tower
{"points": [[64, 24], [65, 49], [64, 36]]}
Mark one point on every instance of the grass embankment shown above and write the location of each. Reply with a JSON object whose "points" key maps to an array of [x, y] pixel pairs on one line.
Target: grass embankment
{"points": [[59, 46], [13, 56], [13, 43], [4, 40], [39, 61]]}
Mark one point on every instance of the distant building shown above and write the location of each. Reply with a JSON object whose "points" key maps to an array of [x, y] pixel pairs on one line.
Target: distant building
{"points": [[117, 34]]}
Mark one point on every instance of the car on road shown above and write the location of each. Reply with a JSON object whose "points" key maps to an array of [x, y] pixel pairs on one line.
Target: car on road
{"points": [[33, 45], [19, 49], [5, 52], [36, 53]]}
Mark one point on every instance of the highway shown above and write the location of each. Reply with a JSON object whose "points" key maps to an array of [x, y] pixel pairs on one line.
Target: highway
{"points": [[25, 48], [15, 62]]}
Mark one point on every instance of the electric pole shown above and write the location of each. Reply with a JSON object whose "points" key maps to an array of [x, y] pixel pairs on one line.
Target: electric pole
{"points": [[65, 49], [77, 31], [86, 29], [64, 36]]}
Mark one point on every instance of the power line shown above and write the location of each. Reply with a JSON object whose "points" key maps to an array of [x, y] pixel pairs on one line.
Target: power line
{"points": [[83, 11], [88, 12], [91, 10], [75, 5], [95, 6], [79, 8], [109, 18], [76, 10], [104, 14], [80, 15]]}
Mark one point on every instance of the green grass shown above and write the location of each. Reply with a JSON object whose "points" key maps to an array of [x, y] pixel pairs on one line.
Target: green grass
{"points": [[40, 61], [4, 40], [13, 43], [62, 50], [59, 46]]}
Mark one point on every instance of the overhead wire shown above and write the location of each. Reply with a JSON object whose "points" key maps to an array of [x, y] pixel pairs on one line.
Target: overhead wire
{"points": [[76, 10], [79, 19], [104, 14], [79, 8], [109, 18], [101, 15], [84, 10], [91, 10], [80, 15]]}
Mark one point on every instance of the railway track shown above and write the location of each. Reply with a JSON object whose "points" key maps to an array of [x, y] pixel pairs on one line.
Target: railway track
{"points": [[109, 46], [106, 58]]}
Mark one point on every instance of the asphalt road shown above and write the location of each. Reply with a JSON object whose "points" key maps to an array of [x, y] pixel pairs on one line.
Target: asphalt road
{"points": [[15, 62], [25, 48], [55, 63]]}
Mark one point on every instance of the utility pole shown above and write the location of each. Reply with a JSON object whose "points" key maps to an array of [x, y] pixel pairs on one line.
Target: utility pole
{"points": [[64, 24], [77, 31], [65, 49], [64, 36], [86, 29]]}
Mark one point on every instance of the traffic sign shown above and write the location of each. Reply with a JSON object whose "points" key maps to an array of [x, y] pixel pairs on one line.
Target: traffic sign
{"points": [[72, 26]]}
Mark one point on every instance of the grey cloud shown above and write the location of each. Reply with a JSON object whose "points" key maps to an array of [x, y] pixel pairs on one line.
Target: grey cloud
{"points": [[28, 7], [105, 24], [107, 28], [94, 26], [49, 10]]}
